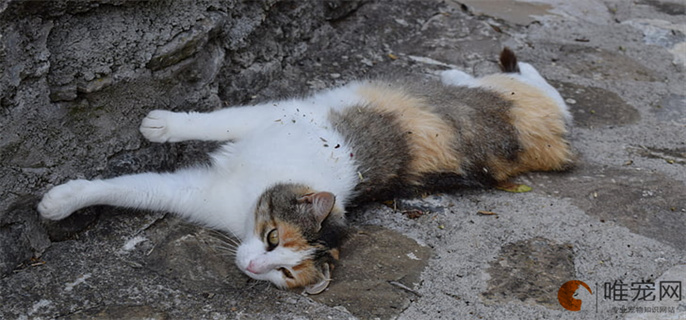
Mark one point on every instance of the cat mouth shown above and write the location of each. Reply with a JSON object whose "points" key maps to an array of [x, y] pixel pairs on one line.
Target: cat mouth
{"points": [[266, 276], [319, 287]]}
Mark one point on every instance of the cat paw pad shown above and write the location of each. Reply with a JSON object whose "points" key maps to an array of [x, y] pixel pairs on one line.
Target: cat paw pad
{"points": [[156, 126], [62, 200]]}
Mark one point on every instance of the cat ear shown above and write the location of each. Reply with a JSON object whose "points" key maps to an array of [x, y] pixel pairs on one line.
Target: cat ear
{"points": [[320, 286], [322, 203]]}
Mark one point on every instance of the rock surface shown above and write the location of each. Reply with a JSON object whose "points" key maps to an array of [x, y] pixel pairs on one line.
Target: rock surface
{"points": [[77, 77]]}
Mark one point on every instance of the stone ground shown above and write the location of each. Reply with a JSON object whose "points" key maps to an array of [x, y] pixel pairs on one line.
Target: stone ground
{"points": [[618, 217]]}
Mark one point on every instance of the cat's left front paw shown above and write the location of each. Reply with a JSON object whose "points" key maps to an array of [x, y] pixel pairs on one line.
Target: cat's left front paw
{"points": [[156, 126]]}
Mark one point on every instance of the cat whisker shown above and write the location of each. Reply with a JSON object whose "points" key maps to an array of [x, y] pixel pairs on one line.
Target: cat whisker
{"points": [[220, 235], [230, 255], [226, 247], [219, 248], [232, 235], [252, 284], [225, 251], [222, 244], [225, 244]]}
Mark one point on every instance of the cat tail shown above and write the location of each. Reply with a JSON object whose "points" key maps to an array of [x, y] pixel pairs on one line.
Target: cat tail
{"points": [[508, 61]]}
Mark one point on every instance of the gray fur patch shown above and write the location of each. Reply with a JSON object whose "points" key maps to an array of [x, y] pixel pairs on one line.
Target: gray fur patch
{"points": [[380, 150]]}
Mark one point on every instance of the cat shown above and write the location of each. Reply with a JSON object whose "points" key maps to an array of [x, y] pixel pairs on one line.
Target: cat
{"points": [[289, 169]]}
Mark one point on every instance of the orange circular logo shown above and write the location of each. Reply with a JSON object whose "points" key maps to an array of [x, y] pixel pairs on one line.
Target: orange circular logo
{"points": [[566, 295]]}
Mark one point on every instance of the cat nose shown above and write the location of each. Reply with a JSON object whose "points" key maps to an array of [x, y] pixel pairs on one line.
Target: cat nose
{"points": [[254, 268]]}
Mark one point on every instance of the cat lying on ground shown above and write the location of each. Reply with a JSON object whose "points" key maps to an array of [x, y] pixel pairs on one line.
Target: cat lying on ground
{"points": [[289, 168]]}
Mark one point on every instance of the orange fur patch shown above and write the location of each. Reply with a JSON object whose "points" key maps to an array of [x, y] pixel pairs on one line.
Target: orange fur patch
{"points": [[302, 266], [540, 127], [291, 237], [304, 274], [430, 137]]}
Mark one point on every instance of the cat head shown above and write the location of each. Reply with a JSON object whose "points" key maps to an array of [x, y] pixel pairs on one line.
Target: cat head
{"points": [[296, 238]]}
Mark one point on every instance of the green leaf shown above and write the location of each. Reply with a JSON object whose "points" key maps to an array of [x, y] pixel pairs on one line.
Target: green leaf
{"points": [[513, 187]]}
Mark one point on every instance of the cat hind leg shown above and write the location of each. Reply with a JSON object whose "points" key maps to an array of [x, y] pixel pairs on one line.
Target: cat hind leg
{"points": [[528, 71], [455, 77], [530, 75]]}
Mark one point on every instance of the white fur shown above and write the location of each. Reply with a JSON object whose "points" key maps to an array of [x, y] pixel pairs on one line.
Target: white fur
{"points": [[287, 141], [456, 77], [529, 75]]}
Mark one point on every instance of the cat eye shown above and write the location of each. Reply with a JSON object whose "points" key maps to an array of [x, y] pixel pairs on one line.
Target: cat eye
{"points": [[273, 239], [287, 273]]}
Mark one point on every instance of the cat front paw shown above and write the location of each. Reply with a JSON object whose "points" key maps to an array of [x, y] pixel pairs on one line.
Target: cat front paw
{"points": [[156, 126], [63, 200]]}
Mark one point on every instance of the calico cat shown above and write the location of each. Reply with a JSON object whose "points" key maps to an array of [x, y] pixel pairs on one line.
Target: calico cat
{"points": [[289, 168]]}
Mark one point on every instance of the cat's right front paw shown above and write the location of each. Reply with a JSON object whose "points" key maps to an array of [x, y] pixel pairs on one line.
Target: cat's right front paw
{"points": [[156, 126], [63, 200]]}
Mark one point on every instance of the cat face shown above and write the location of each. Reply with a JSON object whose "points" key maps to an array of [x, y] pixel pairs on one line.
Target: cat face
{"points": [[295, 239]]}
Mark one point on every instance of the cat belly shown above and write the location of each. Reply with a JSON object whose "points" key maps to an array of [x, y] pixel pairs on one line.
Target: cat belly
{"points": [[291, 153]]}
